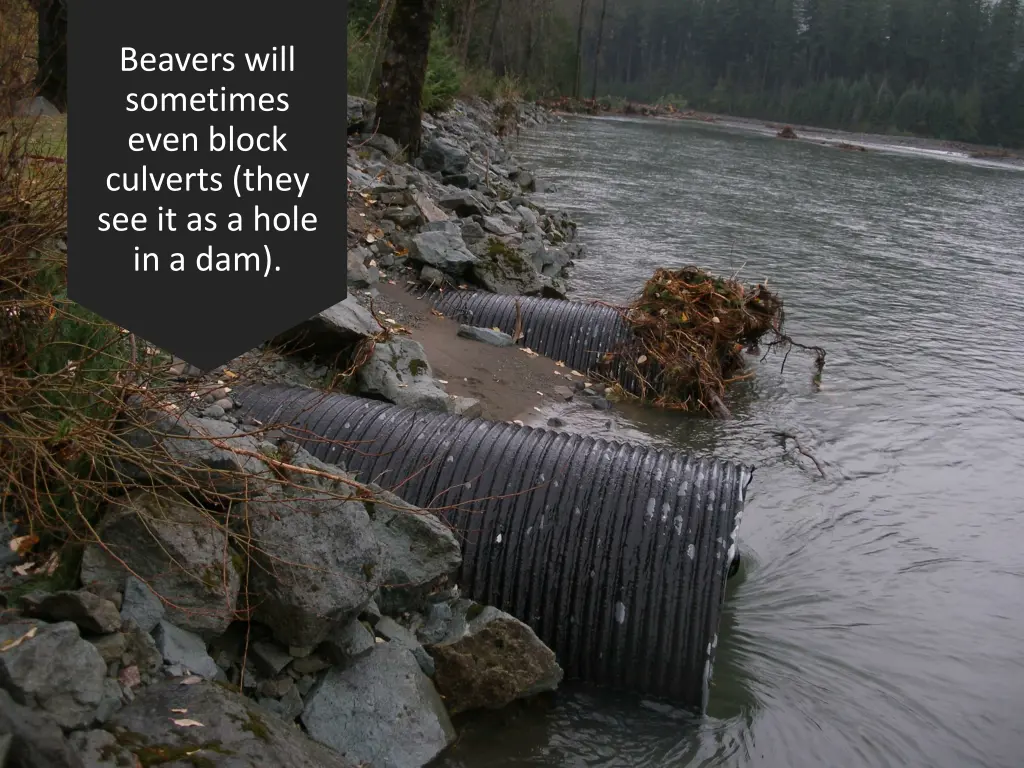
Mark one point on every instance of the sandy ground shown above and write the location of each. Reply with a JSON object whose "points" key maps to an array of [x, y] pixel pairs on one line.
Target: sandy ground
{"points": [[509, 383]]}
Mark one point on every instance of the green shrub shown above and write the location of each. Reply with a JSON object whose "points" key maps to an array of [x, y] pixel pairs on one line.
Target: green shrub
{"points": [[444, 78], [362, 77]]}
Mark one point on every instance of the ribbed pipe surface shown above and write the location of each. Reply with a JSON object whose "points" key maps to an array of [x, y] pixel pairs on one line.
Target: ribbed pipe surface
{"points": [[615, 554], [577, 333]]}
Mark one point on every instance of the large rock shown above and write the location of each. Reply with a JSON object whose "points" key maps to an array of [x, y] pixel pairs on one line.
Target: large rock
{"points": [[419, 553], [141, 605], [50, 667], [380, 711], [398, 371], [99, 749], [36, 740], [89, 612], [235, 732], [445, 250], [186, 650], [445, 156], [496, 226], [359, 275], [360, 113], [489, 659], [486, 336], [465, 204], [209, 452], [350, 642], [335, 329], [503, 269], [180, 552], [315, 557], [429, 209]]}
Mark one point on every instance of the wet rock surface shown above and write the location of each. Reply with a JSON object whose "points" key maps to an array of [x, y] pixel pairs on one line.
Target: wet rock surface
{"points": [[398, 372], [487, 659], [381, 710], [317, 560], [233, 730], [155, 535], [419, 553], [486, 336], [50, 667]]}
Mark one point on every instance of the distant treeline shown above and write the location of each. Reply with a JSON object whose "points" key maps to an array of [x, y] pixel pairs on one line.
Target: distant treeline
{"points": [[952, 69]]}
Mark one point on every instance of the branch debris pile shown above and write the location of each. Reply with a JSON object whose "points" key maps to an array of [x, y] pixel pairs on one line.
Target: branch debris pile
{"points": [[692, 329]]}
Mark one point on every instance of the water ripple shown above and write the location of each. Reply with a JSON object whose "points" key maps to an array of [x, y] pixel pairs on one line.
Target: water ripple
{"points": [[880, 618]]}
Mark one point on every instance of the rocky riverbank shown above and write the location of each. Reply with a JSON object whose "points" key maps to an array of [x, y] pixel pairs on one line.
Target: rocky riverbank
{"points": [[240, 602], [293, 618], [460, 217]]}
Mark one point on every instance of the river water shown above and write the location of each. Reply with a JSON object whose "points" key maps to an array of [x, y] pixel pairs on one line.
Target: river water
{"points": [[879, 618]]}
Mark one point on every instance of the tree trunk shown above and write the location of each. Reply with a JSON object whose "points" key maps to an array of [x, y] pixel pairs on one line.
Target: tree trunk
{"points": [[403, 71], [494, 33], [579, 51], [597, 53], [52, 78], [467, 30]]}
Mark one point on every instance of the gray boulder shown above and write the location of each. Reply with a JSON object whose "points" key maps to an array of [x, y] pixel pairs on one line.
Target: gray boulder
{"points": [[489, 659], [360, 113], [315, 557], [462, 180], [179, 647], [469, 407], [464, 204], [409, 216], [211, 453], [501, 268], [180, 552], [527, 215], [50, 667], [525, 180], [393, 632], [89, 612], [141, 605], [359, 275], [385, 144], [140, 650], [350, 642], [99, 749], [235, 732], [443, 250], [336, 328], [419, 553], [497, 226], [34, 738], [269, 659], [111, 647], [398, 371], [445, 156], [434, 277], [472, 232], [381, 711], [430, 211], [486, 336], [448, 225]]}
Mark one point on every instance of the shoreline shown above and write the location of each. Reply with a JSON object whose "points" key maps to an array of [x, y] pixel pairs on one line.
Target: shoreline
{"points": [[854, 140]]}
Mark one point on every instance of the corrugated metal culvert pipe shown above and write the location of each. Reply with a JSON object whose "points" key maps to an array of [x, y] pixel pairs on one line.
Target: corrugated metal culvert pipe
{"points": [[576, 332], [616, 554]]}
